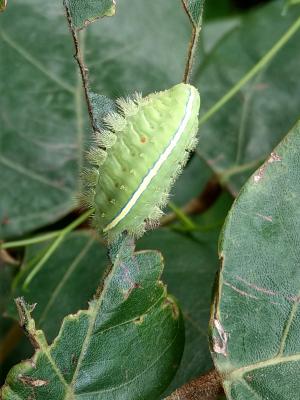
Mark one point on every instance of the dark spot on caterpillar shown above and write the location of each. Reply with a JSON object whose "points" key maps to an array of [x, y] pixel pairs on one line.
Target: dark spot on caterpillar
{"points": [[143, 139]]}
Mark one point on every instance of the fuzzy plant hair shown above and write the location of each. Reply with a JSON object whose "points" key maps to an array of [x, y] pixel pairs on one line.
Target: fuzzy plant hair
{"points": [[135, 161]]}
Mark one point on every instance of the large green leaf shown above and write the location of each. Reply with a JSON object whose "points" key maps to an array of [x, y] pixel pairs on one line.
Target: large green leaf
{"points": [[43, 115], [252, 122], [78, 263], [126, 345], [256, 320], [42, 127]]}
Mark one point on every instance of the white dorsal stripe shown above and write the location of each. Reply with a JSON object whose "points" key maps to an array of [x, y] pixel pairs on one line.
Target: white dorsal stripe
{"points": [[154, 170]]}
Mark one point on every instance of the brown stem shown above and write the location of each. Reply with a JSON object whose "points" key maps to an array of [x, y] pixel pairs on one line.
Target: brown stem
{"points": [[84, 72], [190, 57], [192, 46], [7, 258], [206, 387]]}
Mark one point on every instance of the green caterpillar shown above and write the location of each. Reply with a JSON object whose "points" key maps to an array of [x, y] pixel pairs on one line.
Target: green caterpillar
{"points": [[146, 145]]}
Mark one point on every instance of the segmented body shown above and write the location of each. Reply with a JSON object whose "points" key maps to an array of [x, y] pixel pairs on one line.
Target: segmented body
{"points": [[147, 146]]}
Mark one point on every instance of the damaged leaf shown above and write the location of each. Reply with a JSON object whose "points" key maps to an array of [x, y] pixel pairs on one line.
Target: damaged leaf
{"points": [[126, 345], [83, 13], [255, 322], [79, 262]]}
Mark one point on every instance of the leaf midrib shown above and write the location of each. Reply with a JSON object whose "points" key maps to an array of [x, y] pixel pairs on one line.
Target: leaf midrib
{"points": [[33, 61], [237, 374]]}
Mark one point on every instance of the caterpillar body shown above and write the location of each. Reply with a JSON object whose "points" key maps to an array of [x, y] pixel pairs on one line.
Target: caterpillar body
{"points": [[136, 160]]}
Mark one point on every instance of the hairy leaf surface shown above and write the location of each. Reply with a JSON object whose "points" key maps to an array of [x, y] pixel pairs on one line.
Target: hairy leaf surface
{"points": [[256, 320], [43, 116], [126, 345]]}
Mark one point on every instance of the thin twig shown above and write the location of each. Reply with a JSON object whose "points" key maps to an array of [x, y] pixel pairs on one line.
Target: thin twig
{"points": [[193, 43], [190, 58], [207, 387], [84, 72]]}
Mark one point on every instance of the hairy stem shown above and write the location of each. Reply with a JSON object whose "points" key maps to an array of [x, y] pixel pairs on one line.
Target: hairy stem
{"points": [[193, 43], [191, 56], [84, 72]]}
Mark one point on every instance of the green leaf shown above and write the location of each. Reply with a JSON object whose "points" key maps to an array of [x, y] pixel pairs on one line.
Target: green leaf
{"points": [[225, 8], [42, 126], [43, 114], [194, 9], [78, 263], [254, 120], [191, 182], [126, 345], [255, 321], [191, 263], [83, 14], [138, 56]]}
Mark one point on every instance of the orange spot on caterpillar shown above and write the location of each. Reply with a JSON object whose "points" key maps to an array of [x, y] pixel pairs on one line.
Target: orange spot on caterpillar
{"points": [[144, 139]]}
